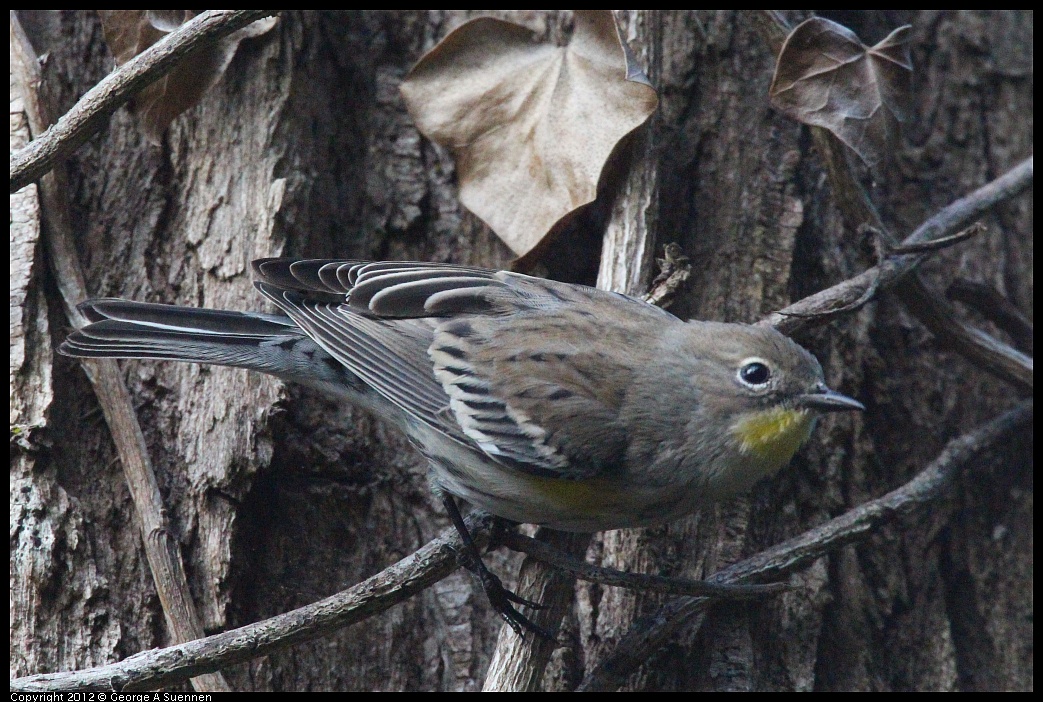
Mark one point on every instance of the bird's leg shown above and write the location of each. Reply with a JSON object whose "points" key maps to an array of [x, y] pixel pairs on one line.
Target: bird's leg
{"points": [[502, 599]]}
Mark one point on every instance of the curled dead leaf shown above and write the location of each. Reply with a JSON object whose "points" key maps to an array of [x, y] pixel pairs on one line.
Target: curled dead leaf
{"points": [[529, 124], [826, 77], [129, 32]]}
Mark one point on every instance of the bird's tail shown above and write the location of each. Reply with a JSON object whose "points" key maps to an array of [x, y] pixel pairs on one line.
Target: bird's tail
{"points": [[124, 329]]}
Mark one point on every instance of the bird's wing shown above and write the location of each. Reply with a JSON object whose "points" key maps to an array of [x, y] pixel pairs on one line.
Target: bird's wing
{"points": [[499, 360], [542, 392]]}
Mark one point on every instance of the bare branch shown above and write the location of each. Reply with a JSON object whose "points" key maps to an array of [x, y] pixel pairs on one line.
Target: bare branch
{"points": [[984, 350], [161, 548], [948, 221], [991, 354], [152, 669], [794, 554], [637, 581], [89, 114], [940, 243], [874, 285], [995, 307]]}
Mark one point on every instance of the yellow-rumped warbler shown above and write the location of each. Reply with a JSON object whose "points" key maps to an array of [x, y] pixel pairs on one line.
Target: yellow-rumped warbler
{"points": [[537, 401]]}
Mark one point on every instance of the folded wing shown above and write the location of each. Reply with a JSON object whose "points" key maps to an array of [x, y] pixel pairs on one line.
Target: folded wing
{"points": [[501, 361]]}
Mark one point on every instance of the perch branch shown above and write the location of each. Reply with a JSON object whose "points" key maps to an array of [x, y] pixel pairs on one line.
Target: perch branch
{"points": [[637, 581], [89, 114], [166, 666], [161, 549]]}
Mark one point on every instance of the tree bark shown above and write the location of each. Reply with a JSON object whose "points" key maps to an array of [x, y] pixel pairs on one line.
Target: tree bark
{"points": [[279, 496]]}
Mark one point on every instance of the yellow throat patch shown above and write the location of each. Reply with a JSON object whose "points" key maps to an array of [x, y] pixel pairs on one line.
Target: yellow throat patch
{"points": [[773, 435]]}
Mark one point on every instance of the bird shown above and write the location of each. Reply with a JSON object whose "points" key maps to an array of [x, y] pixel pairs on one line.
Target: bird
{"points": [[534, 400]]}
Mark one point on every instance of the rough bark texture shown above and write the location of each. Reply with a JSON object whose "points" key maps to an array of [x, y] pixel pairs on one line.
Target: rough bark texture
{"points": [[280, 496]]}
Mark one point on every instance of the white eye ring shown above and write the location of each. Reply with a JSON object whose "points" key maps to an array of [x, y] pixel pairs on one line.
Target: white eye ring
{"points": [[754, 373]]}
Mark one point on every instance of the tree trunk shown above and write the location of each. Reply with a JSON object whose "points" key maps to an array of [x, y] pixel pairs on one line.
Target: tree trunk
{"points": [[280, 496]]}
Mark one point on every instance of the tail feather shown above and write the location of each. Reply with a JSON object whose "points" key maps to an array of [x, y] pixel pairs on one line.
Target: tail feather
{"points": [[126, 329], [193, 319], [267, 343]]}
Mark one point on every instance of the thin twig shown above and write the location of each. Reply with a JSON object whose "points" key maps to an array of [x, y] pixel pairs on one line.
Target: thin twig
{"points": [[949, 220], [991, 304], [166, 666], [777, 562], [90, 113], [940, 243], [637, 581], [874, 285], [989, 353], [161, 548]]}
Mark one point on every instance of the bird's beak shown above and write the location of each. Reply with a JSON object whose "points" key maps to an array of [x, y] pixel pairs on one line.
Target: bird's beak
{"points": [[825, 400]]}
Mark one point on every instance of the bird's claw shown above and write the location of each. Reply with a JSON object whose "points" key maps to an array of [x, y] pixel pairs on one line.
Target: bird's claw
{"points": [[503, 600]]}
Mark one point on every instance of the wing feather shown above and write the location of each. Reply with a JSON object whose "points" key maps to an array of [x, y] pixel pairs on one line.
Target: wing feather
{"points": [[506, 366]]}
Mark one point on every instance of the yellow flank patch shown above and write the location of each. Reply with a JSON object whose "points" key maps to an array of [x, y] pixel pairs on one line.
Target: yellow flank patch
{"points": [[773, 435], [586, 497]]}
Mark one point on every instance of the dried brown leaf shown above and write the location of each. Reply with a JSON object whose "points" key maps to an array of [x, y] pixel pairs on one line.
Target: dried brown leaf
{"points": [[129, 32], [826, 77], [530, 124]]}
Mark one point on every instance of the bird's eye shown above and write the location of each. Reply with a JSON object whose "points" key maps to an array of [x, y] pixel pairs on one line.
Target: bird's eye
{"points": [[754, 373]]}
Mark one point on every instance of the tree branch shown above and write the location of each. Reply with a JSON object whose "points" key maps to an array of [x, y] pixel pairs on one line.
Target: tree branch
{"points": [[989, 303], [650, 633], [92, 110], [167, 666], [982, 349], [636, 581], [991, 354], [947, 222]]}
